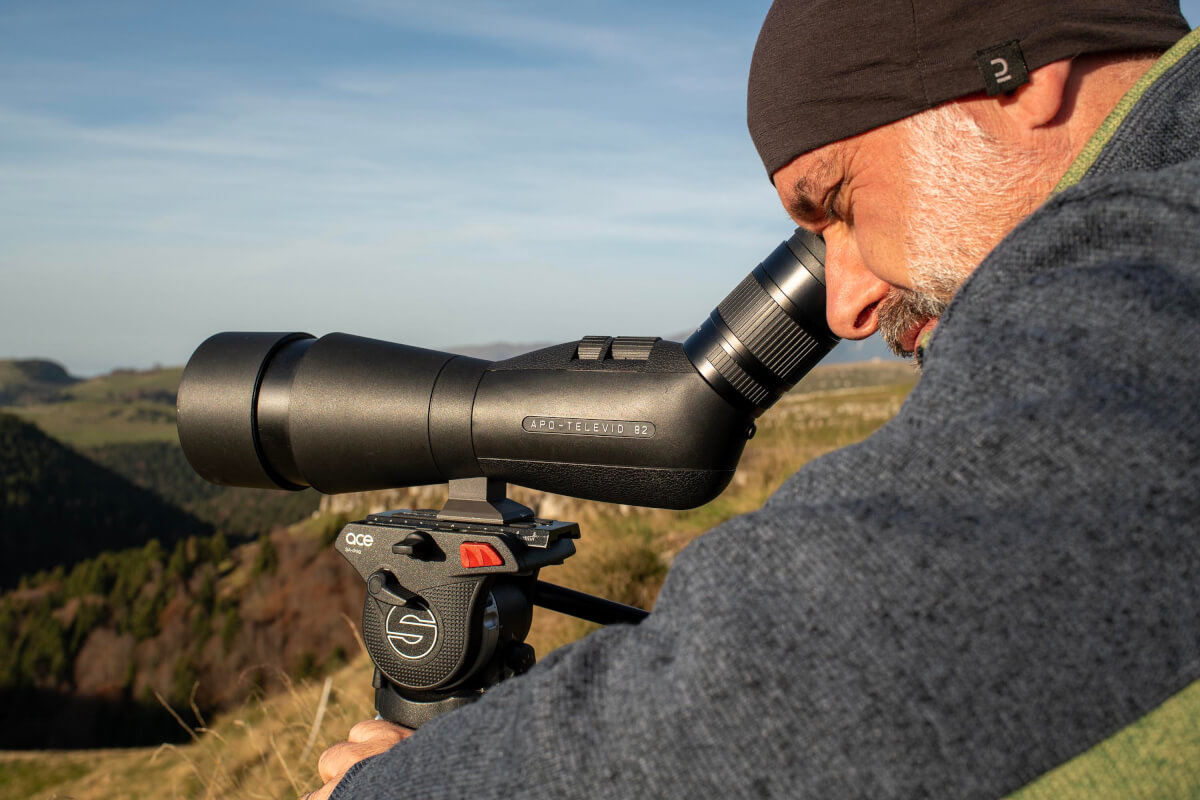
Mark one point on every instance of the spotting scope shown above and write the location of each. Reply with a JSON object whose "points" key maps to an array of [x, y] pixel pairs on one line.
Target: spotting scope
{"points": [[624, 419]]}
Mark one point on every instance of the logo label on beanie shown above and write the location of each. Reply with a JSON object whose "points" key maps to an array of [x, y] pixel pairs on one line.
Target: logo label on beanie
{"points": [[1003, 68]]}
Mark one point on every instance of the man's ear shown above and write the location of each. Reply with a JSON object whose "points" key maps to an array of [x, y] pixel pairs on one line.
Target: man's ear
{"points": [[1037, 103]]}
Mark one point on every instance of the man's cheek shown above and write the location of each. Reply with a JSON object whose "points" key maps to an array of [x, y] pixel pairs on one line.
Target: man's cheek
{"points": [[881, 247]]}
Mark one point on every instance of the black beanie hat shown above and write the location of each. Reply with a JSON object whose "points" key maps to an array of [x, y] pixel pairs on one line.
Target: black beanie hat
{"points": [[824, 70]]}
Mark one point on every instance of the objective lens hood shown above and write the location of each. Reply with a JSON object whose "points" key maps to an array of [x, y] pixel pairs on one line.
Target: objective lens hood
{"points": [[217, 408]]}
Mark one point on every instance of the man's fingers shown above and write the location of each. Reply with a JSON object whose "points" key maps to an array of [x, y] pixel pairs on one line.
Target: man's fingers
{"points": [[366, 739], [342, 756], [378, 729]]}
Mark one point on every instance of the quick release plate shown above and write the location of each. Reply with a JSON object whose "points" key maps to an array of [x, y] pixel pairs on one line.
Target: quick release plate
{"points": [[423, 551]]}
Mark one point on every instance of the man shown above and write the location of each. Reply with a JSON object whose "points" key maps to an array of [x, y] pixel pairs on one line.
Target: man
{"points": [[1008, 572]]}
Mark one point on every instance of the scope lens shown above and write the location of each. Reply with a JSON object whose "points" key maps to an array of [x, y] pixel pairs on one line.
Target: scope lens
{"points": [[770, 330]]}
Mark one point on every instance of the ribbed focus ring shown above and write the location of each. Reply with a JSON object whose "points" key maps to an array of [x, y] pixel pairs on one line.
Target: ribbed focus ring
{"points": [[738, 378], [765, 329]]}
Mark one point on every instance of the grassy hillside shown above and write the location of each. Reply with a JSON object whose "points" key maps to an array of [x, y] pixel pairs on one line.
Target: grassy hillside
{"points": [[135, 600], [125, 422], [57, 507], [127, 385], [265, 749], [124, 406]]}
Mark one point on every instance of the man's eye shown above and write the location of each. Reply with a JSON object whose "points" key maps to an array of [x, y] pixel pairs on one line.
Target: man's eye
{"points": [[836, 207], [832, 208]]}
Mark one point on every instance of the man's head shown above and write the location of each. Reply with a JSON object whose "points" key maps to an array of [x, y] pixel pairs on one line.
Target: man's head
{"points": [[878, 130]]}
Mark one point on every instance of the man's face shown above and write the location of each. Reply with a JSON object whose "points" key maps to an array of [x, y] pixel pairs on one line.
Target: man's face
{"points": [[907, 210]]}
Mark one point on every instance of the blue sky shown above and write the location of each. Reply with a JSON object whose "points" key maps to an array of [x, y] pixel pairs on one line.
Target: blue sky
{"points": [[430, 173]]}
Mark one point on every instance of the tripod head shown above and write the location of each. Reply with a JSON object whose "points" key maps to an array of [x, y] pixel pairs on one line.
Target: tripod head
{"points": [[450, 596]]}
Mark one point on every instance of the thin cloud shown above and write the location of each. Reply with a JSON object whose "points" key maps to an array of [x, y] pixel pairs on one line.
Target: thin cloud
{"points": [[643, 46], [209, 197]]}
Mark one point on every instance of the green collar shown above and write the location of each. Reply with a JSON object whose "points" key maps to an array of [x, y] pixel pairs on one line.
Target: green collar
{"points": [[1104, 133]]}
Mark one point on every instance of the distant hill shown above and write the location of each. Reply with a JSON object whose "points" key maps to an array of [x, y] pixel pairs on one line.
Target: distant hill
{"points": [[125, 421], [156, 385], [27, 381], [120, 407], [57, 507]]}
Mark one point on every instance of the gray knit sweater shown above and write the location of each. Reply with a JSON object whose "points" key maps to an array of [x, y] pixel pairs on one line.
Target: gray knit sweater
{"points": [[1005, 574]]}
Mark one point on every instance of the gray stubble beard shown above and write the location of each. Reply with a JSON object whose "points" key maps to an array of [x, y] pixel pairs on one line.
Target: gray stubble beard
{"points": [[968, 191]]}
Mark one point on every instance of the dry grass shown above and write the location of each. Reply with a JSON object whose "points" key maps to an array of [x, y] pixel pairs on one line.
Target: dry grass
{"points": [[264, 750]]}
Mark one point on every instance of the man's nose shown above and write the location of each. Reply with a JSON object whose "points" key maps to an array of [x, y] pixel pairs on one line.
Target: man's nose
{"points": [[852, 292]]}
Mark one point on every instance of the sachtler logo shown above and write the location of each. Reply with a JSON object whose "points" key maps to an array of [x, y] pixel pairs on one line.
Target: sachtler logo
{"points": [[411, 630]]}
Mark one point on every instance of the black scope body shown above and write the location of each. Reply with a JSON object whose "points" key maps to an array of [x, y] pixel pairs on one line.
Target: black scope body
{"points": [[634, 420]]}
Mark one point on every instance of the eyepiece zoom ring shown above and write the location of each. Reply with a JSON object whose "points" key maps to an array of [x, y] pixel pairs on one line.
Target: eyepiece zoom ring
{"points": [[763, 337], [766, 330]]}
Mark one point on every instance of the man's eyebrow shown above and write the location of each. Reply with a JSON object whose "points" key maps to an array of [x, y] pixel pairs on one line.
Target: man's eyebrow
{"points": [[803, 203]]}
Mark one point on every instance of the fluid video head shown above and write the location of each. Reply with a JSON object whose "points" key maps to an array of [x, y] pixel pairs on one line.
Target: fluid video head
{"points": [[449, 594], [634, 420]]}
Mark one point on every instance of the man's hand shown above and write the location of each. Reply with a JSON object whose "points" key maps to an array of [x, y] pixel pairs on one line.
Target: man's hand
{"points": [[366, 739]]}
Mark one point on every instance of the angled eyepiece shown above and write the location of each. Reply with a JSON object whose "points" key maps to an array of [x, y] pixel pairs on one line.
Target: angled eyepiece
{"points": [[770, 330]]}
